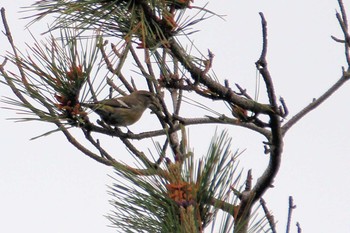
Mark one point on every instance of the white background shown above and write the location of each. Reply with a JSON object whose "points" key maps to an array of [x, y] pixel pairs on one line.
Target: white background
{"points": [[46, 185]]}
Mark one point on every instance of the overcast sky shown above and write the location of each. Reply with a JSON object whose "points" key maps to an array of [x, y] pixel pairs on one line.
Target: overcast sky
{"points": [[46, 185]]}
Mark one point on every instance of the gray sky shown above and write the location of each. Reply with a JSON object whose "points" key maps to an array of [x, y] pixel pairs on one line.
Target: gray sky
{"points": [[47, 185]]}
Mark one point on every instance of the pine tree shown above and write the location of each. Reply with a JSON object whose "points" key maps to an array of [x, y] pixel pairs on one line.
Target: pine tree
{"points": [[172, 190]]}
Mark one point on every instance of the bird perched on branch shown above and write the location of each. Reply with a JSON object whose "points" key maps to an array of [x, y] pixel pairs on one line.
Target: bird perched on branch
{"points": [[125, 110]]}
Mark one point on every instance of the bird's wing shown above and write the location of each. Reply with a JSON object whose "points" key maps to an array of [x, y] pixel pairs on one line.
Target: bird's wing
{"points": [[117, 103]]}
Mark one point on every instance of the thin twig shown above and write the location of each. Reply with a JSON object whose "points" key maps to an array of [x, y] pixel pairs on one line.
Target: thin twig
{"points": [[284, 109], [247, 198], [138, 62], [268, 216], [83, 149], [343, 13], [342, 19], [261, 65], [298, 227], [162, 153], [343, 22], [151, 78], [223, 120], [180, 94], [243, 92], [97, 145], [10, 39], [316, 102], [276, 140], [135, 151], [291, 206], [117, 71], [115, 87]]}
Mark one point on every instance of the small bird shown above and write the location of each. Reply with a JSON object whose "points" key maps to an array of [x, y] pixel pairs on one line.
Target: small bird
{"points": [[125, 110]]}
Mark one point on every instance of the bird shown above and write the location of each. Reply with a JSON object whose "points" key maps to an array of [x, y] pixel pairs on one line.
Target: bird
{"points": [[123, 111]]}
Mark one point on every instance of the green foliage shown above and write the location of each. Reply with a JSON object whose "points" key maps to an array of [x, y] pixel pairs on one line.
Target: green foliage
{"points": [[151, 23], [145, 204], [53, 76]]}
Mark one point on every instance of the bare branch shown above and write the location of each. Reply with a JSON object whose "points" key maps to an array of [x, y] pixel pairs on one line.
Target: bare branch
{"points": [[135, 151], [223, 120], [268, 216], [138, 62], [338, 40], [151, 83], [163, 153], [243, 92], [96, 144], [261, 65], [316, 102], [117, 70], [291, 206], [246, 197], [223, 92], [276, 140], [343, 22], [79, 146], [298, 227]]}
